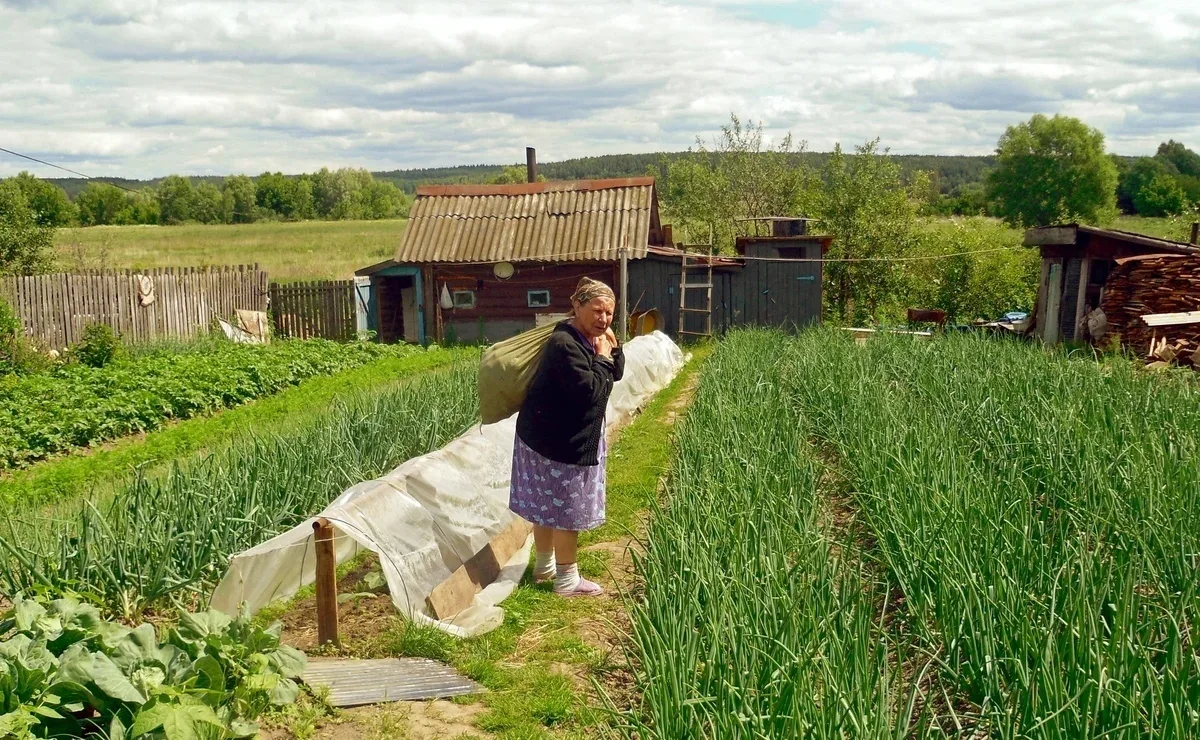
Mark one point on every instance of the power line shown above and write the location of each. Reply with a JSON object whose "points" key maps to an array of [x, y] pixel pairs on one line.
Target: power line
{"points": [[64, 169]]}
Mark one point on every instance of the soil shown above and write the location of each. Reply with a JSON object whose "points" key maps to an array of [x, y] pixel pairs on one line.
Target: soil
{"points": [[683, 400], [359, 618], [408, 720]]}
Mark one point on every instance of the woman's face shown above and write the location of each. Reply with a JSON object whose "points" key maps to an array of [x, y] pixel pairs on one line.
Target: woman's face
{"points": [[594, 317]]}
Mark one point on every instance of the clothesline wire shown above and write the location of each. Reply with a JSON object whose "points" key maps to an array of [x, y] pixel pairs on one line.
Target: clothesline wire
{"points": [[733, 259]]}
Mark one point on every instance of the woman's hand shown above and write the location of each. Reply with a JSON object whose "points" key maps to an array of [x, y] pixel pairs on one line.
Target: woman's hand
{"points": [[604, 343]]}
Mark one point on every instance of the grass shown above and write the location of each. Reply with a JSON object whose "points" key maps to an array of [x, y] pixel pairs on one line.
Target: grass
{"points": [[1177, 229], [306, 250], [535, 665], [69, 477]]}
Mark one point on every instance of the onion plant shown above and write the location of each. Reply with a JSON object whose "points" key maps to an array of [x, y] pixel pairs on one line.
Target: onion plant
{"points": [[170, 535], [1040, 514], [751, 624]]}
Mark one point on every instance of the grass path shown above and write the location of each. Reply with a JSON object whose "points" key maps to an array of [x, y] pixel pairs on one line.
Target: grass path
{"points": [[539, 666], [87, 471]]}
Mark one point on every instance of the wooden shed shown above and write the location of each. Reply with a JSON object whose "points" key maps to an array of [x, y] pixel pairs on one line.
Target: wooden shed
{"points": [[485, 262], [1076, 263]]}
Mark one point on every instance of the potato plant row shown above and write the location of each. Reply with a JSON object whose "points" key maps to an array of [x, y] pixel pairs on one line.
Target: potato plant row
{"points": [[75, 405]]}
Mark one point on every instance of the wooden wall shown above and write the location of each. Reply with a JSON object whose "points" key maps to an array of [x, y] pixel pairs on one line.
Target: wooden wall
{"points": [[505, 302], [320, 308], [782, 294], [56, 308]]}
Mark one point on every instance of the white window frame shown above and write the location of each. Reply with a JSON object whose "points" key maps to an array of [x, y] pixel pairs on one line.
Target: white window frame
{"points": [[454, 296], [529, 298]]}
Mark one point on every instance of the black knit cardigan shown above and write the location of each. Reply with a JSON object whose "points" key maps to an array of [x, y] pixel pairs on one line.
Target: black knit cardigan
{"points": [[562, 417]]}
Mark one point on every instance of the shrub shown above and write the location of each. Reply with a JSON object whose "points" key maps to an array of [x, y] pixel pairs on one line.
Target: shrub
{"points": [[99, 347], [17, 352]]}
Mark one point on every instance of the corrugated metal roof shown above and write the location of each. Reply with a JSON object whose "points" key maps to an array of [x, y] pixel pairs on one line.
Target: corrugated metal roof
{"points": [[577, 220], [353, 683]]}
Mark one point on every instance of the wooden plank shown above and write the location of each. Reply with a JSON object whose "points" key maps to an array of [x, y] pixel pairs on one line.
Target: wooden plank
{"points": [[455, 593], [326, 583], [1172, 319], [1085, 268], [1053, 297], [275, 309], [1044, 235]]}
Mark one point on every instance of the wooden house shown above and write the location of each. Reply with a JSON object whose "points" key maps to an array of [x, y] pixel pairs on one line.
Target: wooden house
{"points": [[485, 262]]}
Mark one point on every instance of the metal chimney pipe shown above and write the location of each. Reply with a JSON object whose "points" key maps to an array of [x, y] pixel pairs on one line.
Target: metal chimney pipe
{"points": [[1196, 233], [530, 164]]}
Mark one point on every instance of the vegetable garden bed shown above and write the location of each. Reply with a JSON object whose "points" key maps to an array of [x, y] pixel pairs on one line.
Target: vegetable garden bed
{"points": [[76, 406], [166, 538], [1029, 529]]}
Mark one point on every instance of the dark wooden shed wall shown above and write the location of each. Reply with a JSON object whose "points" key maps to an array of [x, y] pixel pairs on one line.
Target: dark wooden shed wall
{"points": [[758, 293]]}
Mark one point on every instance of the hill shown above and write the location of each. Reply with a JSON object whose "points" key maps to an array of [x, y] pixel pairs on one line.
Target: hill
{"points": [[952, 170]]}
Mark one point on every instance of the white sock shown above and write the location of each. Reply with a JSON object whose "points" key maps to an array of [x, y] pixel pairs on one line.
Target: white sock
{"points": [[545, 565], [567, 578]]}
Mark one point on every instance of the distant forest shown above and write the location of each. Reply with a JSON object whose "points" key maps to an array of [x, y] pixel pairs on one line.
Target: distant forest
{"points": [[951, 171]]}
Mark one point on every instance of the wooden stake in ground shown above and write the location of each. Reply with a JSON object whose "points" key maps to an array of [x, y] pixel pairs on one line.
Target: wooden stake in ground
{"points": [[327, 606]]}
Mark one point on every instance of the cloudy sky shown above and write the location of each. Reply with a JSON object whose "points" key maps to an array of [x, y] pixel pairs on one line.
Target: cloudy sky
{"points": [[141, 88]]}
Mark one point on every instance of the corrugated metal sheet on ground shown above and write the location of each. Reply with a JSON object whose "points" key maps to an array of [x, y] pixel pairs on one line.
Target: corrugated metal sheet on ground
{"points": [[354, 683], [575, 224]]}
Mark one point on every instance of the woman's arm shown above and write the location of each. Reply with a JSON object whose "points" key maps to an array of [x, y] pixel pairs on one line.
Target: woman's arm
{"points": [[586, 379]]}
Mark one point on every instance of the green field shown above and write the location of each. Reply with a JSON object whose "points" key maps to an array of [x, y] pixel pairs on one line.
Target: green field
{"points": [[305, 250], [1177, 229]]}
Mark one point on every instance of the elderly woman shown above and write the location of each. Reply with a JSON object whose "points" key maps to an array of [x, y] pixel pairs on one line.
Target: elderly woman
{"points": [[560, 450]]}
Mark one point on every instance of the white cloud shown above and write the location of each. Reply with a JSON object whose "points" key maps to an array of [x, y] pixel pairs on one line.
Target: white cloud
{"points": [[144, 88]]}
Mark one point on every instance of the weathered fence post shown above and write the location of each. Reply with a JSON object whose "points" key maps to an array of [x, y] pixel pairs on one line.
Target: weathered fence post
{"points": [[327, 606]]}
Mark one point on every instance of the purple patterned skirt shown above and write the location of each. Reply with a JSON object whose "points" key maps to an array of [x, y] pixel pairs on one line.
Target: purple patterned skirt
{"points": [[555, 494]]}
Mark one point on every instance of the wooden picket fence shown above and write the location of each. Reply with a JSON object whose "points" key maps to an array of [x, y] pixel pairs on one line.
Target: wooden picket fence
{"points": [[323, 308], [56, 308]]}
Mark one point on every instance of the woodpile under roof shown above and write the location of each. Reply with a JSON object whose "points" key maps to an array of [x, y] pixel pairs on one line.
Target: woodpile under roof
{"points": [[1154, 284]]}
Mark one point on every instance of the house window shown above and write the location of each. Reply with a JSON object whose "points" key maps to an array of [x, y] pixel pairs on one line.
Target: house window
{"points": [[537, 298], [464, 299]]}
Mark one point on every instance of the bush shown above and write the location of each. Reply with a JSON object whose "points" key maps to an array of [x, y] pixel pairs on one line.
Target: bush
{"points": [[17, 352], [100, 345]]}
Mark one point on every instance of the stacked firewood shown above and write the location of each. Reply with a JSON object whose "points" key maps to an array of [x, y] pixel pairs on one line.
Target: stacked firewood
{"points": [[1140, 286]]}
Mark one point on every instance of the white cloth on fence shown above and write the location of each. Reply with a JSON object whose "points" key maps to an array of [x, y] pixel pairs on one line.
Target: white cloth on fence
{"points": [[429, 515]]}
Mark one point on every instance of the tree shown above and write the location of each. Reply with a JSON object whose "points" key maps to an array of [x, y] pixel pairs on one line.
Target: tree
{"points": [[140, 208], [865, 206], [1161, 196], [25, 245], [1052, 170], [383, 200], [513, 176], [176, 200], [99, 204], [210, 205], [1183, 160], [239, 189], [742, 176], [290, 198], [1135, 177], [49, 202]]}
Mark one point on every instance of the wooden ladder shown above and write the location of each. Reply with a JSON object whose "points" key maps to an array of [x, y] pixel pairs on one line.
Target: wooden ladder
{"points": [[696, 265]]}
